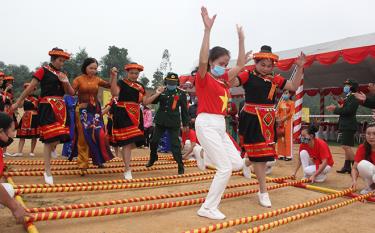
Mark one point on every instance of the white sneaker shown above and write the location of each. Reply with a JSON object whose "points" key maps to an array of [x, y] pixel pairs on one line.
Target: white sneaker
{"points": [[211, 213], [32, 154], [7, 154], [54, 154], [128, 175], [10, 190], [264, 200], [16, 155], [200, 163], [366, 190], [246, 170], [48, 179]]}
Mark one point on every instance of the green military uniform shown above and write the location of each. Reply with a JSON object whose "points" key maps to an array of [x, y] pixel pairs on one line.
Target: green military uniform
{"points": [[348, 121], [172, 110]]}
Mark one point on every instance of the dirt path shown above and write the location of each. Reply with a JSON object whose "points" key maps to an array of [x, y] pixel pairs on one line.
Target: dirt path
{"points": [[353, 218]]}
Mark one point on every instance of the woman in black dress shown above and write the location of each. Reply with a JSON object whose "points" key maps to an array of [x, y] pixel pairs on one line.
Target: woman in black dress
{"points": [[257, 118], [127, 128]]}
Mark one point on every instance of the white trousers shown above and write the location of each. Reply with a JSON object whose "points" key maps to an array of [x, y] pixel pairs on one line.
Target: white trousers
{"points": [[220, 151], [309, 167], [366, 171], [9, 188]]}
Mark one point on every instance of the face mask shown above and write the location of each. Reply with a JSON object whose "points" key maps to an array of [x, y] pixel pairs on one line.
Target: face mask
{"points": [[171, 87], [285, 97], [218, 71], [7, 143], [346, 89], [305, 140]]}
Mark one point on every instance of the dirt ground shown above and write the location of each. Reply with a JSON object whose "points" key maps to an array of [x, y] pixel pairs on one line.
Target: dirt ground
{"points": [[352, 218]]}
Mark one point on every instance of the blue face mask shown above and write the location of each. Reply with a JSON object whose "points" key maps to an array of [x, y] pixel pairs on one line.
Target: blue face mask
{"points": [[346, 89], [218, 71], [285, 97], [171, 87]]}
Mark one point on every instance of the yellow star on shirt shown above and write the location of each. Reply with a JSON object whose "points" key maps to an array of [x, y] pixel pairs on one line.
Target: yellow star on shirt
{"points": [[224, 98]]}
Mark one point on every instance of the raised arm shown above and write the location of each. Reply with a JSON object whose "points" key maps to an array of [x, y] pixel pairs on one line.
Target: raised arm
{"points": [[33, 84], [115, 90], [294, 84], [241, 60], [150, 99], [203, 55], [68, 89]]}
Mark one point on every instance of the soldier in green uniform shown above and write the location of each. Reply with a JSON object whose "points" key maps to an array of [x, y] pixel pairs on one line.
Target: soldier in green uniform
{"points": [[172, 110], [347, 122]]}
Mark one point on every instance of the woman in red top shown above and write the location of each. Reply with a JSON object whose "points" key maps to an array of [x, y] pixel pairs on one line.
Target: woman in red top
{"points": [[212, 90], [364, 161], [314, 156]]}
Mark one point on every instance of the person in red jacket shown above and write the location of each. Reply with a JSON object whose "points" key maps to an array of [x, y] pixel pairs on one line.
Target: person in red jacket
{"points": [[314, 156], [364, 161]]}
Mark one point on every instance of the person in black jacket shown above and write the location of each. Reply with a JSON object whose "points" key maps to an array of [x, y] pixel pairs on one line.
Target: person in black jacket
{"points": [[347, 122]]}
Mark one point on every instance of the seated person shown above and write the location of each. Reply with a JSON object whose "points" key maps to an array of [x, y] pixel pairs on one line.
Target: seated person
{"points": [[7, 131], [364, 161], [314, 156]]}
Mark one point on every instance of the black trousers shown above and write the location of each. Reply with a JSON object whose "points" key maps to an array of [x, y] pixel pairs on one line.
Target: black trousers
{"points": [[148, 134], [175, 142]]}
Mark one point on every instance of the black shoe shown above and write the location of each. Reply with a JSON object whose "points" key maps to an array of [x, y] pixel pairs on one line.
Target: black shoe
{"points": [[346, 168], [150, 163], [181, 169]]}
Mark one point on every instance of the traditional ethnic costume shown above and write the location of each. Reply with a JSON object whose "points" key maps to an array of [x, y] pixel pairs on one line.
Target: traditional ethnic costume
{"points": [[257, 118], [285, 129], [127, 114], [89, 137], [70, 102], [111, 104], [53, 118], [28, 126]]}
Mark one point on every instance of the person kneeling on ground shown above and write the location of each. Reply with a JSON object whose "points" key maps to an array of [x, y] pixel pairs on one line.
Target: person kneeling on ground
{"points": [[364, 161], [7, 131], [314, 156]]}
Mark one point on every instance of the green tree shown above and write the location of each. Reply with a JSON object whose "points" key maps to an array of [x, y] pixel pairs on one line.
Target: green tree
{"points": [[73, 66], [157, 79], [20, 73], [144, 80], [116, 57]]}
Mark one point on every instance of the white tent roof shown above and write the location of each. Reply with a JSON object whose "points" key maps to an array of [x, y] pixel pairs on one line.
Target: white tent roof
{"points": [[322, 76]]}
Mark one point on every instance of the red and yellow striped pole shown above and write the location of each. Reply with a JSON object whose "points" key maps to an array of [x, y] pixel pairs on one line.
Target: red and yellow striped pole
{"points": [[30, 227], [118, 186], [67, 162], [45, 216], [270, 214], [130, 200], [92, 166], [99, 171], [305, 214], [104, 182]]}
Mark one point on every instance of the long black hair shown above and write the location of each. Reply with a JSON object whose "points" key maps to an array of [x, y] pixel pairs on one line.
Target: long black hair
{"points": [[368, 148]]}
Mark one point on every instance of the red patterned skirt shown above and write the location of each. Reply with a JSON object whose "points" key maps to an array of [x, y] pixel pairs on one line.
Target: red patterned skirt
{"points": [[257, 132], [29, 125]]}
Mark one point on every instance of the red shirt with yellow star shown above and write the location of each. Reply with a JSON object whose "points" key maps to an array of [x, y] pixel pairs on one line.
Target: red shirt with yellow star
{"points": [[213, 93]]}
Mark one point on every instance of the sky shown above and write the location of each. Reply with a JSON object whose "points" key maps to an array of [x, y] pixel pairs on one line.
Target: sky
{"points": [[29, 29]]}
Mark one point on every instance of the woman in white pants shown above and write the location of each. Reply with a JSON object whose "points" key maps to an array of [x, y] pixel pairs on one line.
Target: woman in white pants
{"points": [[364, 161], [212, 89], [314, 156]]}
